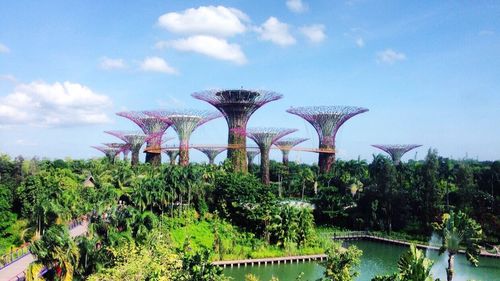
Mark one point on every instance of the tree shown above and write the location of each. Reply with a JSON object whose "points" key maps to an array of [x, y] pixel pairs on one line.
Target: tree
{"points": [[341, 262], [384, 177], [58, 251], [430, 194], [457, 230], [412, 266]]}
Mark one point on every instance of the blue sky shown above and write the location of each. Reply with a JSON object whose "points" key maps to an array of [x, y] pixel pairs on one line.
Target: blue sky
{"points": [[427, 70]]}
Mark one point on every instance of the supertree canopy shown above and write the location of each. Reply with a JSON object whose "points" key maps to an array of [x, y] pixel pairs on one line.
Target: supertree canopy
{"points": [[211, 152], [251, 153], [184, 122], [396, 151], [172, 152], [286, 144], [237, 105], [264, 138], [151, 126], [327, 121], [110, 152], [134, 139], [123, 147]]}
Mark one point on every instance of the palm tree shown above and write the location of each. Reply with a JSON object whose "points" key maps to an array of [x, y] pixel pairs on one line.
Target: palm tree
{"points": [[57, 250], [412, 265], [457, 230]]}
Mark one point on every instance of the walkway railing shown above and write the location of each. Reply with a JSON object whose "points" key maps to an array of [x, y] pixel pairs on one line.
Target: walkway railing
{"points": [[23, 250]]}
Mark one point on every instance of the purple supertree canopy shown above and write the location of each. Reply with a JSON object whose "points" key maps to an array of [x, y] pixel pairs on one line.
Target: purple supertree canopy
{"points": [[289, 143], [149, 125], [237, 105], [327, 119], [133, 138], [396, 151], [210, 152], [185, 121], [231, 102], [265, 137], [108, 151]]}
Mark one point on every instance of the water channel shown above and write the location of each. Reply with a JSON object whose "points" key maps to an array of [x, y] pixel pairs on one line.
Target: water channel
{"points": [[378, 258]]}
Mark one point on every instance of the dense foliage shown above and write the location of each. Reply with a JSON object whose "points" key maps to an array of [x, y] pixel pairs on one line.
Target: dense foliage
{"points": [[207, 212]]}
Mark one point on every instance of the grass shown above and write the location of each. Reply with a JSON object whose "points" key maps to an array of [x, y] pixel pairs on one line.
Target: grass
{"points": [[237, 244]]}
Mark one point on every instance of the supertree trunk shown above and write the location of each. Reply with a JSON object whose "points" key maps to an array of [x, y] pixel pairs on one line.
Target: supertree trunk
{"points": [[153, 158], [172, 160], [211, 161], [237, 146], [264, 166], [325, 160], [135, 157], [285, 157], [184, 154]]}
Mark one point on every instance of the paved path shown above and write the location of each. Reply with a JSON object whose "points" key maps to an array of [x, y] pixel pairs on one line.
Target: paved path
{"points": [[17, 268]]}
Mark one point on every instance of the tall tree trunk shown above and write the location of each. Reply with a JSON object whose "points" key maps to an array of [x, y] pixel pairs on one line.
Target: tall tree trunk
{"points": [[449, 270]]}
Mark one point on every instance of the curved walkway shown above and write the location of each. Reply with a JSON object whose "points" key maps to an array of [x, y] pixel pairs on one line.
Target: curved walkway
{"points": [[371, 236], [15, 270]]}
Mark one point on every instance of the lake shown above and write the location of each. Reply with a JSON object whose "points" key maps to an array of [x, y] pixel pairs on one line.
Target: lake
{"points": [[378, 258]]}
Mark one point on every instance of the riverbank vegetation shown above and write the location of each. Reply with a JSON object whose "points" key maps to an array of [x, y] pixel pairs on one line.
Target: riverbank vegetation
{"points": [[203, 213]]}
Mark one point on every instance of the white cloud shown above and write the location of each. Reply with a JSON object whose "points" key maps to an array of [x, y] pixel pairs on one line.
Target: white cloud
{"points": [[315, 32], [109, 63], [390, 56], [59, 104], [157, 64], [296, 6], [4, 49], [211, 20], [275, 31], [360, 42], [209, 46]]}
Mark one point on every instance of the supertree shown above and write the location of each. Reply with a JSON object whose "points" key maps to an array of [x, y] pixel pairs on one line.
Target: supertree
{"points": [[184, 122], [211, 152], [110, 152], [327, 121], [124, 148], [396, 151], [237, 105], [251, 153], [153, 127], [134, 139], [285, 145], [172, 152], [264, 138]]}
